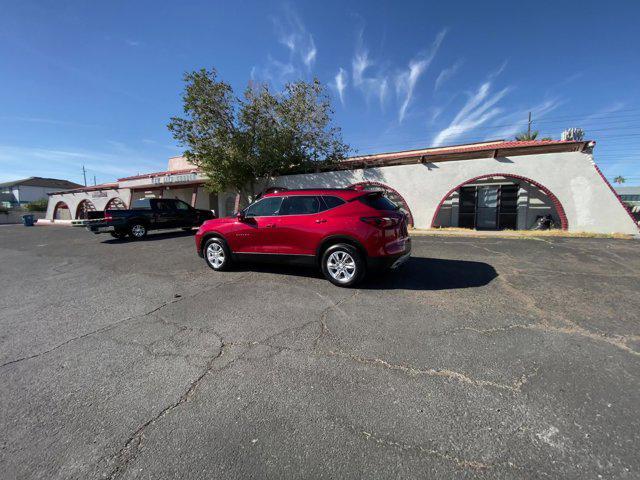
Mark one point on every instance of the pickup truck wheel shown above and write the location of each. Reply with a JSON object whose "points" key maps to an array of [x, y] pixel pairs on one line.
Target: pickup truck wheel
{"points": [[138, 231], [217, 254], [343, 265]]}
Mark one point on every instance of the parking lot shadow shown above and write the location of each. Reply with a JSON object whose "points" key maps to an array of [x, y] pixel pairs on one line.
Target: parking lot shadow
{"points": [[153, 236], [421, 273], [418, 273]]}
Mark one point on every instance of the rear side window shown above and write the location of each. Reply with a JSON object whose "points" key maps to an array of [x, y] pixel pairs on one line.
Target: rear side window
{"points": [[300, 205], [331, 202], [378, 201], [142, 204]]}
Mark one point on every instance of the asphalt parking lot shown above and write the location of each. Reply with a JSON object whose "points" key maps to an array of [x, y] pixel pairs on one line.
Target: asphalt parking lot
{"points": [[481, 358]]}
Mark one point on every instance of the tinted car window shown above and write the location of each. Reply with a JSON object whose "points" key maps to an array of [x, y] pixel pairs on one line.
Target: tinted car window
{"points": [[331, 202], [180, 205], [267, 207], [143, 203], [164, 206], [378, 201], [300, 205]]}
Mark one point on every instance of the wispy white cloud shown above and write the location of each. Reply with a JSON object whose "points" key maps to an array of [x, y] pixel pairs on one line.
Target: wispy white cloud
{"points": [[446, 74], [340, 83], [293, 34], [47, 121], [479, 108], [406, 81], [133, 43], [377, 85], [516, 121], [67, 163]]}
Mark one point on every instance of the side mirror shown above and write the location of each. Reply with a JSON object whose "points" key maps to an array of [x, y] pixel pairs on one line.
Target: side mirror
{"points": [[240, 216]]}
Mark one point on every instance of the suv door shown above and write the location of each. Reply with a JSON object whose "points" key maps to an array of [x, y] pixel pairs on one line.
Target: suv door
{"points": [[300, 226], [255, 233]]}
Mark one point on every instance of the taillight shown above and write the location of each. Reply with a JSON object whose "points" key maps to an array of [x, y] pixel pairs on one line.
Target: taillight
{"points": [[381, 222], [107, 217]]}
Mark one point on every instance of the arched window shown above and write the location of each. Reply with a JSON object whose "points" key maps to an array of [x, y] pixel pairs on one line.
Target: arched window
{"points": [[84, 207], [61, 211], [115, 204], [390, 193], [491, 201]]}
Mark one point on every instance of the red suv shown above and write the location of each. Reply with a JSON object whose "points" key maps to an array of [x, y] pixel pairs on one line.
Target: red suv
{"points": [[344, 231]]}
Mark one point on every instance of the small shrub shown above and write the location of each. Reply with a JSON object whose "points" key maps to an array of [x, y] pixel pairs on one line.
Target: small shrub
{"points": [[37, 206]]}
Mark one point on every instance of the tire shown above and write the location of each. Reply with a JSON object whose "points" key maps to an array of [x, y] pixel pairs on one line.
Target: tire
{"points": [[217, 254], [118, 235], [343, 265], [138, 231]]}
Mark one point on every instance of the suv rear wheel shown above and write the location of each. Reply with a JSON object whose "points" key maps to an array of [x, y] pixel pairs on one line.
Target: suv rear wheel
{"points": [[343, 265], [217, 254]]}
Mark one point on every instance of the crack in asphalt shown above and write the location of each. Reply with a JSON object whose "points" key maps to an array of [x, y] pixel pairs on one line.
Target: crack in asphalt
{"points": [[570, 327], [515, 387], [113, 325], [133, 444], [88, 334], [460, 462]]}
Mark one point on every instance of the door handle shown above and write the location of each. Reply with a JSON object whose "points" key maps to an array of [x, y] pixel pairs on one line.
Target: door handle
{"points": [[270, 225], [321, 220]]}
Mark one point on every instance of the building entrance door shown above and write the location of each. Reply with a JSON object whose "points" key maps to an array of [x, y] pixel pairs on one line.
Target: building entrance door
{"points": [[487, 210], [490, 207]]}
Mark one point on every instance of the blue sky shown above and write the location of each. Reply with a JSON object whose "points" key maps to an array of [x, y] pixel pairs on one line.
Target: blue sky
{"points": [[95, 83]]}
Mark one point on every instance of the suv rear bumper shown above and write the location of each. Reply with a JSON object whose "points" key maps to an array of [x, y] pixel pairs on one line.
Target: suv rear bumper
{"points": [[389, 261]]}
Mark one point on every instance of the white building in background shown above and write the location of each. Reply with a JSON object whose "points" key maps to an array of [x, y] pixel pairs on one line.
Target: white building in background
{"points": [[27, 190], [489, 185]]}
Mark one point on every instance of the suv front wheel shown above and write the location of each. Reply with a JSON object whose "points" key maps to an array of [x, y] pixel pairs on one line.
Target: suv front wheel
{"points": [[343, 265], [217, 254]]}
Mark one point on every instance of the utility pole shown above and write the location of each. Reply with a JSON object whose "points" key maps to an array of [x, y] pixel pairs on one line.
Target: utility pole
{"points": [[84, 174], [529, 128], [94, 181]]}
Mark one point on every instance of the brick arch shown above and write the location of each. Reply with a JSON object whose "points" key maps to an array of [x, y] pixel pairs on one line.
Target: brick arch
{"points": [[60, 206], [564, 223], [383, 186], [83, 207]]}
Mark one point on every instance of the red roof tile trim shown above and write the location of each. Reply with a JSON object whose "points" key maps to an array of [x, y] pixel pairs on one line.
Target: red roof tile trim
{"points": [[161, 174], [498, 145]]}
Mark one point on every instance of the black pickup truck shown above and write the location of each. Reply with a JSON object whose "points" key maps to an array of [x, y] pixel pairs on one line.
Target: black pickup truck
{"points": [[147, 214]]}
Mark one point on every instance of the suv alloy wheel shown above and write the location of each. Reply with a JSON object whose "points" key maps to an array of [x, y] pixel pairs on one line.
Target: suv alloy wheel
{"points": [[217, 254], [343, 265]]}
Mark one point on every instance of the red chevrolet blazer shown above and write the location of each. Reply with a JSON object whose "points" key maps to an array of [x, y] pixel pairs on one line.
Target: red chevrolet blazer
{"points": [[346, 232]]}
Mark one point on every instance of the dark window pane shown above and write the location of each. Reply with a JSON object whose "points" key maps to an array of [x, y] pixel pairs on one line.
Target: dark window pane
{"points": [[180, 205], [143, 203], [163, 205], [378, 201], [331, 202], [300, 205], [267, 207]]}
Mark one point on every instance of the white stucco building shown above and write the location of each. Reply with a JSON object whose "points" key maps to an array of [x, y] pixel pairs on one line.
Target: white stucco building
{"points": [[489, 185]]}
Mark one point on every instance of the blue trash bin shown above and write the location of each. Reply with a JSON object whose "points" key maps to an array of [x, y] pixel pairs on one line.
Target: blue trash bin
{"points": [[28, 220]]}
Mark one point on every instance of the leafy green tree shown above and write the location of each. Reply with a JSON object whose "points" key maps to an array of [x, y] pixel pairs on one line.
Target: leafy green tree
{"points": [[619, 180], [243, 143]]}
